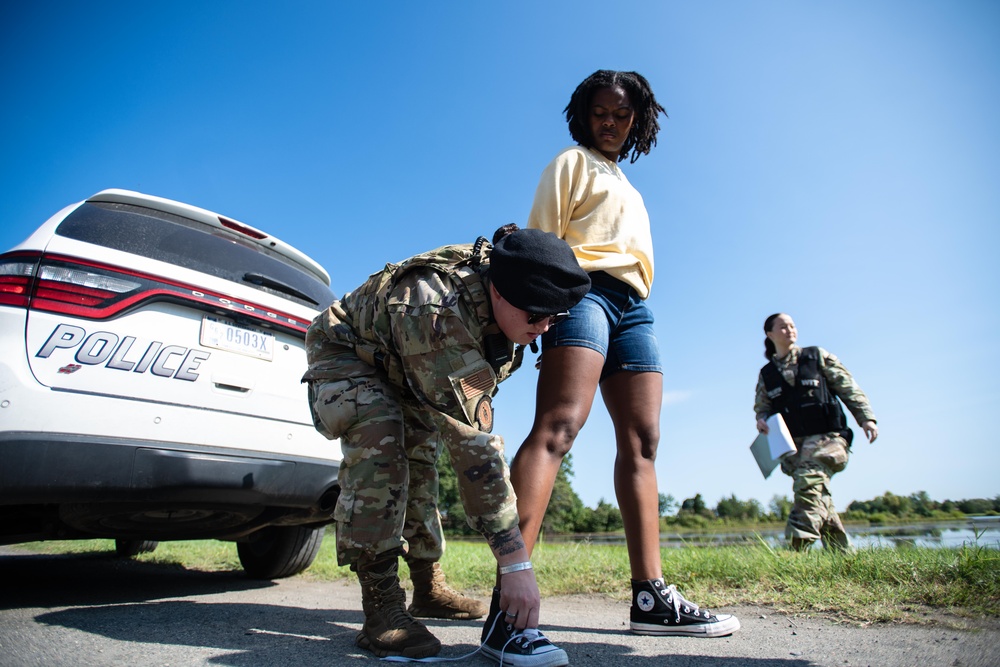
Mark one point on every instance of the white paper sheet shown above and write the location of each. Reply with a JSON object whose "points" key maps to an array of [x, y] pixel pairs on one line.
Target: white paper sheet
{"points": [[778, 438], [768, 449]]}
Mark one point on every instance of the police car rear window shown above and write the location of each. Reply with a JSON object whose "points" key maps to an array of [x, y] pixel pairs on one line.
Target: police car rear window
{"points": [[171, 238]]}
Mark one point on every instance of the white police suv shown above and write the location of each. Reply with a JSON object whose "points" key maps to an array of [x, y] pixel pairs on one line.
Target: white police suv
{"points": [[149, 384]]}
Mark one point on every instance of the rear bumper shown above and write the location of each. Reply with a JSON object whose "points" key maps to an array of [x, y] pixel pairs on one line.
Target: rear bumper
{"points": [[58, 468]]}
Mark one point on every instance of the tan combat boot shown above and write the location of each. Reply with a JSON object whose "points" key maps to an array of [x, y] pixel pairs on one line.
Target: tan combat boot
{"points": [[434, 598], [389, 629]]}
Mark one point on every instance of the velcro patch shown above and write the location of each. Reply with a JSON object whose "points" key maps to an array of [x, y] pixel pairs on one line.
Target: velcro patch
{"points": [[477, 383], [484, 415], [473, 386]]}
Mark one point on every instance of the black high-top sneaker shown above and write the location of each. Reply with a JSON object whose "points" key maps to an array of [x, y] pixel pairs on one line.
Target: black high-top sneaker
{"points": [[517, 648], [658, 609]]}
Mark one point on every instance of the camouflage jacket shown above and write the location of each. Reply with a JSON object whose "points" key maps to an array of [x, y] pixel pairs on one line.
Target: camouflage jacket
{"points": [[427, 324], [839, 380]]}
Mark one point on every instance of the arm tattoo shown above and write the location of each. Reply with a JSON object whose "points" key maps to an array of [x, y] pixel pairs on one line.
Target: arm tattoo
{"points": [[506, 542]]}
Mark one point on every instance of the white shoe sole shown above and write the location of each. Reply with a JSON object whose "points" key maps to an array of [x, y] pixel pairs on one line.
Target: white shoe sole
{"points": [[554, 658], [726, 625]]}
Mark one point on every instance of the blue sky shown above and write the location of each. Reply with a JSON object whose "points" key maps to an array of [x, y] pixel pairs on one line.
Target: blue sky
{"points": [[839, 161]]}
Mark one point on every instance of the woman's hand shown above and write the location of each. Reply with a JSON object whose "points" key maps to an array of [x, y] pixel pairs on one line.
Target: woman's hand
{"points": [[762, 426], [871, 430], [520, 599]]}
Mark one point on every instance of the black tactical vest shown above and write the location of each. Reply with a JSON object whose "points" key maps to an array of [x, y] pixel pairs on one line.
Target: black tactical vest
{"points": [[808, 407]]}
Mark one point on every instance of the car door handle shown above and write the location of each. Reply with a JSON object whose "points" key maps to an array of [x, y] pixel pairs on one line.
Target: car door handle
{"points": [[231, 385]]}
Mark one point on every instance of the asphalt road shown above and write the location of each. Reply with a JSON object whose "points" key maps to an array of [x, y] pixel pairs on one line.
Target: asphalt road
{"points": [[98, 610]]}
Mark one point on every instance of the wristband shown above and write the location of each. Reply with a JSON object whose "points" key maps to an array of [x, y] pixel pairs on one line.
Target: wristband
{"points": [[515, 567]]}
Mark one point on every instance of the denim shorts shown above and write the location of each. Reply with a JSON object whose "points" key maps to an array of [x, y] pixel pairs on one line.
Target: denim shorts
{"points": [[613, 320]]}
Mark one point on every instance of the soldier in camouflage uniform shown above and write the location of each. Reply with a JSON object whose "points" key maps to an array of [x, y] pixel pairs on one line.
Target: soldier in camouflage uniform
{"points": [[804, 385], [404, 365]]}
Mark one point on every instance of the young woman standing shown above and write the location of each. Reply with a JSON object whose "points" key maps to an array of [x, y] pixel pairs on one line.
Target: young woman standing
{"points": [[608, 340]]}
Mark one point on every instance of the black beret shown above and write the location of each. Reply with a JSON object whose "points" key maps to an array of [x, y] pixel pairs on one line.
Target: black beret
{"points": [[537, 271]]}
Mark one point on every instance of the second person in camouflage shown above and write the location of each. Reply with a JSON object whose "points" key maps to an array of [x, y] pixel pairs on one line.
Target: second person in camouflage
{"points": [[804, 386]]}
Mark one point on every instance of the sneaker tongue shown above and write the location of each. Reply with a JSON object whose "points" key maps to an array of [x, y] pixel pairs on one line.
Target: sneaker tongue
{"points": [[531, 634]]}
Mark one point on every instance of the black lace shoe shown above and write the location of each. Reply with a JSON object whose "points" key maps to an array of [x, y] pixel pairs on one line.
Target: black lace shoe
{"points": [[658, 609], [517, 648]]}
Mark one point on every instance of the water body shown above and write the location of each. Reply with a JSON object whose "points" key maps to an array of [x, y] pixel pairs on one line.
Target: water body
{"points": [[975, 531]]}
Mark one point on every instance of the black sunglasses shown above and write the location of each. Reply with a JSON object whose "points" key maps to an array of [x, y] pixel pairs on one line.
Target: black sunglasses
{"points": [[554, 319]]}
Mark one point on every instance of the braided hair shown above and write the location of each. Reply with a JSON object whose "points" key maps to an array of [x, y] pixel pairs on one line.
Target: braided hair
{"points": [[642, 136]]}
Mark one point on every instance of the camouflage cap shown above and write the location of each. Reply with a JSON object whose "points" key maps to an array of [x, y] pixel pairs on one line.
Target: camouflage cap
{"points": [[537, 272]]}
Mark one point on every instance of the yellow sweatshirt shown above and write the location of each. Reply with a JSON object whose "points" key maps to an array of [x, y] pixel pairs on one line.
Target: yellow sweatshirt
{"points": [[584, 198]]}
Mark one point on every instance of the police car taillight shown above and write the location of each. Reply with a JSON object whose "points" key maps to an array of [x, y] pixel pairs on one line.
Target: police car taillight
{"points": [[84, 291], [15, 281], [80, 288], [92, 290], [83, 282]]}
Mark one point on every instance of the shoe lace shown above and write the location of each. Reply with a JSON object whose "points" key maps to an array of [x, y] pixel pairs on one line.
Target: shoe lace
{"points": [[392, 602], [529, 637], [442, 589], [399, 618], [679, 602]]}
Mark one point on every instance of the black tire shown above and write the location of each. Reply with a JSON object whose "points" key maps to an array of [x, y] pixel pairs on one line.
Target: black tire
{"points": [[130, 548], [280, 551]]}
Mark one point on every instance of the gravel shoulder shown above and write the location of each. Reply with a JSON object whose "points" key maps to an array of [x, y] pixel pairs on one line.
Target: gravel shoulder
{"points": [[96, 610]]}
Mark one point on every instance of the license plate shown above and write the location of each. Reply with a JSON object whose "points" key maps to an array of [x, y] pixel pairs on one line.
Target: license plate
{"points": [[236, 338]]}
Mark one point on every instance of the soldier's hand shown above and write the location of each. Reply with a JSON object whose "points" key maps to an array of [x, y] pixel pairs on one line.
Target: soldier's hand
{"points": [[871, 430], [762, 426]]}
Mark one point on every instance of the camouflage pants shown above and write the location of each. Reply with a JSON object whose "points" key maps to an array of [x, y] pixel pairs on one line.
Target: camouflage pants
{"points": [[388, 477], [813, 516]]}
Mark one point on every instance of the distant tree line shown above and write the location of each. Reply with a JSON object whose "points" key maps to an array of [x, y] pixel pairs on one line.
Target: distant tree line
{"points": [[567, 513], [919, 505]]}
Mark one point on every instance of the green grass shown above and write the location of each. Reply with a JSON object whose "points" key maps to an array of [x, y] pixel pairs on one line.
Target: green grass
{"points": [[868, 585]]}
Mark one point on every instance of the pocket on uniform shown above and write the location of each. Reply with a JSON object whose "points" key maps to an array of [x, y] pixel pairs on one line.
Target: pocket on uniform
{"points": [[345, 507], [833, 454], [336, 407], [473, 385]]}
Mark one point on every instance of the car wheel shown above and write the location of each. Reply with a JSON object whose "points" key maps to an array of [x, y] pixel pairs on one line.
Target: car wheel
{"points": [[279, 551], [130, 548]]}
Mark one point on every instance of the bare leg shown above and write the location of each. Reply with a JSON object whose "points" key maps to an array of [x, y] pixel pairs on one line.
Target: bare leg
{"points": [[633, 401], [567, 384]]}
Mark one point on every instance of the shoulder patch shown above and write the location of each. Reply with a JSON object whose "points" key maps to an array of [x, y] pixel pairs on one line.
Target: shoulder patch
{"points": [[484, 415], [473, 386]]}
